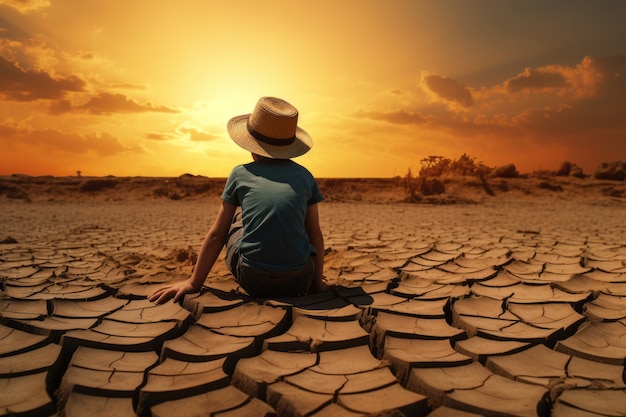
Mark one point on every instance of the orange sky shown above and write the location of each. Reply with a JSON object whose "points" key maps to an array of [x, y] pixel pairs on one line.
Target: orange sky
{"points": [[145, 87]]}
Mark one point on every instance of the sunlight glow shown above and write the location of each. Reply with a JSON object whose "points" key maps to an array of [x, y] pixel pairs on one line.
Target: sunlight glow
{"points": [[147, 87]]}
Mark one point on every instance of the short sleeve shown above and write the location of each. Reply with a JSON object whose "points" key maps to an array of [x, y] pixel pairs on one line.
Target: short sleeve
{"points": [[229, 194], [316, 194]]}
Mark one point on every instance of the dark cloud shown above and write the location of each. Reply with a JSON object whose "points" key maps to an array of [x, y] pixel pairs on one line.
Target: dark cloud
{"points": [[592, 100], [597, 108], [532, 79], [19, 84], [612, 72], [575, 113], [448, 89], [22, 79]]}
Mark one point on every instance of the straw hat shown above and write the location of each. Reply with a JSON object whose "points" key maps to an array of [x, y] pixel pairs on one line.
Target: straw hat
{"points": [[271, 130]]}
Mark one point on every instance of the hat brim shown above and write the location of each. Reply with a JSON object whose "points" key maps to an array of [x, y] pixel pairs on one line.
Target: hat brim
{"points": [[238, 132]]}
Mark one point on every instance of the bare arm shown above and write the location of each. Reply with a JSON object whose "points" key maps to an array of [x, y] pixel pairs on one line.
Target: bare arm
{"points": [[316, 238], [210, 250]]}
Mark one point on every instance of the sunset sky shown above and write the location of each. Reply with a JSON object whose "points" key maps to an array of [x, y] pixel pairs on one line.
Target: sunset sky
{"points": [[146, 87]]}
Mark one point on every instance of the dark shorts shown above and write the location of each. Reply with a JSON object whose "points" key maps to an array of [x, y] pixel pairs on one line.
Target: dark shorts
{"points": [[260, 283]]}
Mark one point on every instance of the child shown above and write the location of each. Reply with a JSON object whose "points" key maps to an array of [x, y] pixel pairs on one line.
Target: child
{"points": [[274, 246]]}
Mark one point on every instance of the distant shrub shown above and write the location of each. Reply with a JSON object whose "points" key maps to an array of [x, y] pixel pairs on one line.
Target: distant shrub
{"points": [[548, 186], [431, 186], [13, 192], [564, 169], [577, 172], [92, 186], [569, 169], [167, 191], [434, 166], [437, 166], [505, 171], [188, 184], [426, 183], [615, 170]]}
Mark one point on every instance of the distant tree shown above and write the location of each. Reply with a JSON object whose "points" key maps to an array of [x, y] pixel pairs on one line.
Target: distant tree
{"points": [[427, 182], [434, 166]]}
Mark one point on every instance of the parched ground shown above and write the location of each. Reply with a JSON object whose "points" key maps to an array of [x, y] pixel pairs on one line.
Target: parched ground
{"points": [[457, 189], [509, 307]]}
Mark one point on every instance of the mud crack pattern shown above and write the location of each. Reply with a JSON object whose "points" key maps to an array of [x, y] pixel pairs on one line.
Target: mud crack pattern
{"points": [[503, 310]]}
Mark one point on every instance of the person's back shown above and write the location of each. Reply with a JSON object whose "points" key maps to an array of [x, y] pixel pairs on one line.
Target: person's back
{"points": [[274, 195], [274, 247]]}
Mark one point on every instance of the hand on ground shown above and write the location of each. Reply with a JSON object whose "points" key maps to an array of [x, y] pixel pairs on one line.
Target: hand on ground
{"points": [[177, 290]]}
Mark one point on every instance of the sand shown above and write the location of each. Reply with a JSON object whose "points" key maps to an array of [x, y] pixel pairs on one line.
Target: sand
{"points": [[513, 304]]}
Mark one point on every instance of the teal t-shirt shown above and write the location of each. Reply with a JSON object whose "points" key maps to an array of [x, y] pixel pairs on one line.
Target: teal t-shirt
{"points": [[274, 195]]}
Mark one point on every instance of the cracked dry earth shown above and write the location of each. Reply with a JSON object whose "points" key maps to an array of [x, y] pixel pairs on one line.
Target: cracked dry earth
{"points": [[499, 309]]}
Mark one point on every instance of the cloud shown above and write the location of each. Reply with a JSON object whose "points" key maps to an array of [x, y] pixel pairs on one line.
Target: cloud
{"points": [[30, 52], [106, 144], [196, 135], [183, 132], [542, 78], [594, 104], [161, 136], [19, 84], [16, 139], [590, 98], [555, 111], [608, 73], [107, 103], [129, 86], [60, 107], [447, 89], [28, 72], [395, 117], [26, 6]]}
